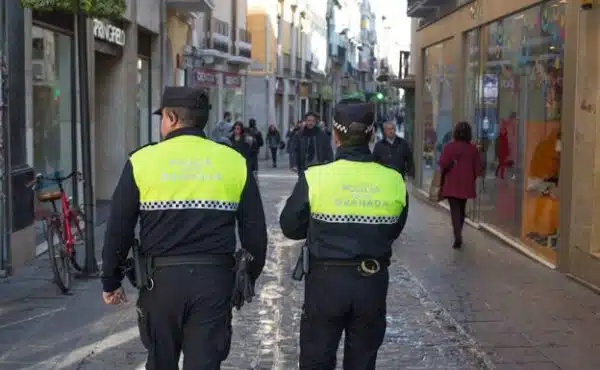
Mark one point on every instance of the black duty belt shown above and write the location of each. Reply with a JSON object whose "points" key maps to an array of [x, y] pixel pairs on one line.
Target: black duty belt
{"points": [[365, 266], [203, 259]]}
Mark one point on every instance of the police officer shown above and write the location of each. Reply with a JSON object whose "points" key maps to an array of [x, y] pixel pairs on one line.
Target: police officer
{"points": [[188, 192], [350, 211]]}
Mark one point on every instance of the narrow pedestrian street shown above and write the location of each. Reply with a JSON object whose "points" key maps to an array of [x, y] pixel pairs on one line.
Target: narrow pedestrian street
{"points": [[485, 306]]}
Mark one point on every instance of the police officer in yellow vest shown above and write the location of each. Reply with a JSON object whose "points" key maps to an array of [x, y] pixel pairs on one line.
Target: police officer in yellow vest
{"points": [[350, 211], [187, 192]]}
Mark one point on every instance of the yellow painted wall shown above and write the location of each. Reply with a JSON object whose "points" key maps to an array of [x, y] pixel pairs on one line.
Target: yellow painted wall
{"points": [[178, 32], [259, 25]]}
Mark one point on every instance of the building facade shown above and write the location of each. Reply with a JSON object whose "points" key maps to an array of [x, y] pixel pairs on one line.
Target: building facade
{"points": [[524, 74], [367, 48], [280, 81], [41, 120], [209, 47]]}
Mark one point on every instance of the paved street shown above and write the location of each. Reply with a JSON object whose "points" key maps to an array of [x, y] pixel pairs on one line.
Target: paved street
{"points": [[483, 307]]}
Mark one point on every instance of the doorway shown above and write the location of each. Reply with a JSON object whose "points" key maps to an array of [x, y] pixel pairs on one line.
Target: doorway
{"points": [[108, 161]]}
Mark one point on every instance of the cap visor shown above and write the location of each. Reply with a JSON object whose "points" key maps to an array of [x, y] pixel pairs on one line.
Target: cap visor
{"points": [[158, 112]]}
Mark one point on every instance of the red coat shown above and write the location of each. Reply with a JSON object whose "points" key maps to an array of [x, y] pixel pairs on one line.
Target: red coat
{"points": [[465, 166]]}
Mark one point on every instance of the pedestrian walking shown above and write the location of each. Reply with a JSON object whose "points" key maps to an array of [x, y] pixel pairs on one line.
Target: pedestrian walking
{"points": [[242, 142], [274, 143], [460, 165], [338, 208], [312, 144], [292, 140], [258, 143], [188, 193], [221, 131], [394, 151]]}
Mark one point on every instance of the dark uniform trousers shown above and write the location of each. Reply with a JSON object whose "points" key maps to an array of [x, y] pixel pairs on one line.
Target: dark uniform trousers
{"points": [[338, 299], [187, 310]]}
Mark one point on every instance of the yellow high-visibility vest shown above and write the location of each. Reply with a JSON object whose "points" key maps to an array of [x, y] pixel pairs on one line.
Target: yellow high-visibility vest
{"points": [[355, 192], [189, 172]]}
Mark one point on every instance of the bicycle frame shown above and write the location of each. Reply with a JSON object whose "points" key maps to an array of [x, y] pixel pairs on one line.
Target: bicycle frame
{"points": [[65, 218]]}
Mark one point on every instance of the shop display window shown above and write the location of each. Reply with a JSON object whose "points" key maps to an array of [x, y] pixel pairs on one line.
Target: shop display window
{"points": [[437, 106], [144, 124], [516, 109], [233, 101], [52, 105]]}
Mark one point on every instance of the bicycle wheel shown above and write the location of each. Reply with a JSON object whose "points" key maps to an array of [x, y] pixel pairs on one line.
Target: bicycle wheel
{"points": [[78, 231], [59, 260]]}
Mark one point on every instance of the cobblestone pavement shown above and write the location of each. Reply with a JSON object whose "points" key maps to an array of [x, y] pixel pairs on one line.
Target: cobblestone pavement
{"points": [[446, 310]]}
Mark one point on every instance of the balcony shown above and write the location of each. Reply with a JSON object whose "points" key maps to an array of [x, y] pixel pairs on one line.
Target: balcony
{"points": [[217, 41], [201, 6], [308, 70], [423, 8], [243, 48], [298, 67], [287, 64], [406, 80]]}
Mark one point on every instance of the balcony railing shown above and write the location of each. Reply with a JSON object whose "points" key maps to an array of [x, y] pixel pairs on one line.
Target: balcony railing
{"points": [[245, 36], [404, 64], [218, 36], [298, 67], [287, 62], [219, 27]]}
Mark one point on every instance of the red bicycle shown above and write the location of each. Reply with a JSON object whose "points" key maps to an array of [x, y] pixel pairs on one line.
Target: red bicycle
{"points": [[65, 228]]}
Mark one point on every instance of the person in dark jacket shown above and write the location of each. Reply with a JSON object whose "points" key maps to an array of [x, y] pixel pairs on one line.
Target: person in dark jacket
{"points": [[292, 137], [242, 142], [394, 151], [349, 235], [312, 144], [188, 235], [257, 144], [274, 143], [460, 164]]}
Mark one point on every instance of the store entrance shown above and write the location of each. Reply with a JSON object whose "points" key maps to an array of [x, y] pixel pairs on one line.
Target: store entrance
{"points": [[108, 161]]}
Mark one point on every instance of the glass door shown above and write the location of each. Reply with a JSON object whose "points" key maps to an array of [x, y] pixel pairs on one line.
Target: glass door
{"points": [[473, 103]]}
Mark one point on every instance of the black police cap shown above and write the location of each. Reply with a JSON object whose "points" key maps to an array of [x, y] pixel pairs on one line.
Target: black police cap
{"points": [[352, 111], [183, 97]]}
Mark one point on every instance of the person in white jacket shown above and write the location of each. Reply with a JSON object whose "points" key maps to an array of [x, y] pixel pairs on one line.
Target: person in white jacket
{"points": [[222, 130]]}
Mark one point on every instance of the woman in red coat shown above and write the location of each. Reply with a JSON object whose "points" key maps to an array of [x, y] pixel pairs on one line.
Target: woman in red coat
{"points": [[460, 164]]}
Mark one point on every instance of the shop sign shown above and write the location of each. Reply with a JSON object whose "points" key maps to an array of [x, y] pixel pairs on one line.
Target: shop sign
{"points": [[232, 80], [205, 78], [108, 32]]}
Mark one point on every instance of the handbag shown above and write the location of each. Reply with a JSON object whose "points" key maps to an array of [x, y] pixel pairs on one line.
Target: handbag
{"points": [[437, 183]]}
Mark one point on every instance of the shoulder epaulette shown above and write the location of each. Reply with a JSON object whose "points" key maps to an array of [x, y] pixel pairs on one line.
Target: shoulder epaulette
{"points": [[390, 167], [318, 164], [141, 147]]}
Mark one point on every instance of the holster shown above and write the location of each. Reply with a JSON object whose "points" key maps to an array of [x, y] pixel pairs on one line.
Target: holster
{"points": [[139, 267], [302, 264]]}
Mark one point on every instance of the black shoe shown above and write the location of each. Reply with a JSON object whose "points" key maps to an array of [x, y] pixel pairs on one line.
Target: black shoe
{"points": [[457, 244]]}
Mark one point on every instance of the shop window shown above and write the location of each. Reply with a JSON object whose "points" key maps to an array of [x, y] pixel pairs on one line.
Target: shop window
{"points": [[516, 112], [437, 106], [144, 118], [52, 105], [233, 101]]}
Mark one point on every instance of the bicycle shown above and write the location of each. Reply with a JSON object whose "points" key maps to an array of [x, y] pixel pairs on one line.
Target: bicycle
{"points": [[65, 228]]}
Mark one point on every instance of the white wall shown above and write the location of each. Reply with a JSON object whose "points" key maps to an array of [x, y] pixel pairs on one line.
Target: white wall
{"points": [[222, 10], [256, 101], [147, 14]]}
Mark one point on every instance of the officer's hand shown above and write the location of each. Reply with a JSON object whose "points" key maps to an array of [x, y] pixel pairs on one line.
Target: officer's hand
{"points": [[115, 297]]}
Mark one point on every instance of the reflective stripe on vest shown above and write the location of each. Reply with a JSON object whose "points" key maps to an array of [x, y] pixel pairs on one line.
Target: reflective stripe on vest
{"points": [[189, 172], [355, 192]]}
